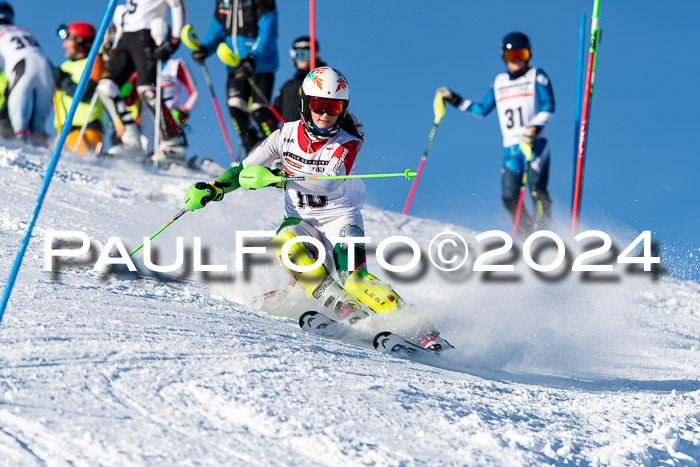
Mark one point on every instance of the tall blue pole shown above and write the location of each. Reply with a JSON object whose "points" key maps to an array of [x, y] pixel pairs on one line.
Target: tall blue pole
{"points": [[579, 94], [80, 90]]}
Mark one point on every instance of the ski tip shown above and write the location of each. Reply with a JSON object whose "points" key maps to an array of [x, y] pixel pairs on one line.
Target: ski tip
{"points": [[388, 342], [304, 318], [381, 341]]}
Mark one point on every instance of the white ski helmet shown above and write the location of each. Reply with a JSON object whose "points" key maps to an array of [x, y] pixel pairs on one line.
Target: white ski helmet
{"points": [[328, 83]]}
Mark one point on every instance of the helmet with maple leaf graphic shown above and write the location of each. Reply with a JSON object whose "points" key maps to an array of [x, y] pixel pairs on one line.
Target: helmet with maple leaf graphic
{"points": [[328, 83]]}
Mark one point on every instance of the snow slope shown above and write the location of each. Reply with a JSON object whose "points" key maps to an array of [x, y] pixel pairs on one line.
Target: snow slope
{"points": [[123, 368]]}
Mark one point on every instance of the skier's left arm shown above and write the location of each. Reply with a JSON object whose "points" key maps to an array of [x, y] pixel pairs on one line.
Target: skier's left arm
{"points": [[267, 28], [544, 101]]}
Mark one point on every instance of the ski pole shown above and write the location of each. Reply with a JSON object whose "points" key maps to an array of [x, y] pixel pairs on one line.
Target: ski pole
{"points": [[587, 96], [175, 217], [158, 33], [231, 59], [439, 110], [93, 101], [193, 44], [312, 32], [521, 195], [579, 94], [258, 176], [56, 155]]}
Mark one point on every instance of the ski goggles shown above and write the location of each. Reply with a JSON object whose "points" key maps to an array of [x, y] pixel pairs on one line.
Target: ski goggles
{"points": [[63, 33], [320, 105], [512, 54], [300, 55]]}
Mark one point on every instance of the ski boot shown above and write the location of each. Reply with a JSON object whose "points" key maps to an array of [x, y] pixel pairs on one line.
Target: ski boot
{"points": [[333, 296], [378, 296], [6, 131], [318, 283], [22, 136], [169, 152], [434, 342], [39, 140], [130, 146]]}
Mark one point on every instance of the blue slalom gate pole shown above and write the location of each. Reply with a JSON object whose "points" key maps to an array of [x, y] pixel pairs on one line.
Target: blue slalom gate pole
{"points": [[579, 94], [80, 90]]}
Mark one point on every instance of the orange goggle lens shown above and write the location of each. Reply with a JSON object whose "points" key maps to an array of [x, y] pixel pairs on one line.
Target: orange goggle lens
{"points": [[513, 54], [320, 105]]}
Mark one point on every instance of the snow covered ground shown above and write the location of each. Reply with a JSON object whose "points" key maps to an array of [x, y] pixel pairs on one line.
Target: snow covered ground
{"points": [[123, 368]]}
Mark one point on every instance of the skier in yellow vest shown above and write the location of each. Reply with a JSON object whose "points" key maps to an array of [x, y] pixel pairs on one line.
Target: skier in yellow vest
{"points": [[77, 40]]}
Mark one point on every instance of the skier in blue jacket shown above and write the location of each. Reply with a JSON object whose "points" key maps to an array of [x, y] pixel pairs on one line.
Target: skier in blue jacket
{"points": [[253, 24], [524, 100]]}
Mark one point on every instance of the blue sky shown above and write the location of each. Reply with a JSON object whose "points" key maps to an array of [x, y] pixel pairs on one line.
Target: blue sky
{"points": [[640, 157]]}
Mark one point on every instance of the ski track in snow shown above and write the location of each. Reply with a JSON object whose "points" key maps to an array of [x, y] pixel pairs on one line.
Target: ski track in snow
{"points": [[135, 369]]}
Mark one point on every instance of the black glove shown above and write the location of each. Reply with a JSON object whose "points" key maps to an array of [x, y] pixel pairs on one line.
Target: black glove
{"points": [[199, 194], [450, 96], [246, 68], [166, 49], [200, 55]]}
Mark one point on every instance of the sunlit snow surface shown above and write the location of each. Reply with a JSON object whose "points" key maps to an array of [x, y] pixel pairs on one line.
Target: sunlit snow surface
{"points": [[138, 369]]}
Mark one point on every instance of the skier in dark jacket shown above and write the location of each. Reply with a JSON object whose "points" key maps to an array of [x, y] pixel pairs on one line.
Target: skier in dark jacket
{"points": [[287, 99], [253, 23]]}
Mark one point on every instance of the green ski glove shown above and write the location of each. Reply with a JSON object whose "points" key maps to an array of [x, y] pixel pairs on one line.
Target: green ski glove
{"points": [[198, 195]]}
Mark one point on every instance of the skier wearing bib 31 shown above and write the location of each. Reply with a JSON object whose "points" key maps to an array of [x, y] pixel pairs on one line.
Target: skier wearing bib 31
{"points": [[524, 100], [324, 142]]}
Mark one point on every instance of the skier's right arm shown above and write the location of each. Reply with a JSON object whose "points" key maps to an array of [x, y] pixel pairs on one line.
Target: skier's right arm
{"points": [[479, 109]]}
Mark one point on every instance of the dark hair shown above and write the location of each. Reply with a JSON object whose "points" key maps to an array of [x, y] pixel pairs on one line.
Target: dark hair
{"points": [[353, 126]]}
